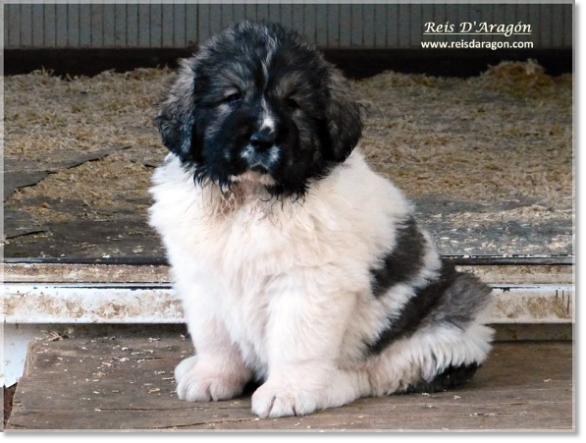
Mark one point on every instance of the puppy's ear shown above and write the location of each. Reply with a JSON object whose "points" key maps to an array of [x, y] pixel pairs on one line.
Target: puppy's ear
{"points": [[343, 118], [177, 114]]}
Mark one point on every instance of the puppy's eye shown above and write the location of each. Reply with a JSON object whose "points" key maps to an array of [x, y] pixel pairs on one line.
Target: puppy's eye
{"points": [[292, 103], [233, 97]]}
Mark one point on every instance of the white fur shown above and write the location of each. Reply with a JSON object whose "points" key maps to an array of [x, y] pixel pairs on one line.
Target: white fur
{"points": [[267, 119], [283, 290]]}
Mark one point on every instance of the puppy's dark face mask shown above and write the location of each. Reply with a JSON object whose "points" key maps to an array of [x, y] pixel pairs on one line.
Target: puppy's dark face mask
{"points": [[255, 98]]}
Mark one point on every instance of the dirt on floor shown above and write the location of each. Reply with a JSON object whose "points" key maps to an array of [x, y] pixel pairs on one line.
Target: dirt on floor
{"points": [[83, 149], [8, 400]]}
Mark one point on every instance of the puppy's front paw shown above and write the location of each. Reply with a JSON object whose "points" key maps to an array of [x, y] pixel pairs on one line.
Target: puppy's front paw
{"points": [[196, 382], [184, 367], [273, 400]]}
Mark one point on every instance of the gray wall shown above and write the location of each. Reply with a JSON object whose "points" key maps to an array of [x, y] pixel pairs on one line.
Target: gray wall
{"points": [[328, 26]]}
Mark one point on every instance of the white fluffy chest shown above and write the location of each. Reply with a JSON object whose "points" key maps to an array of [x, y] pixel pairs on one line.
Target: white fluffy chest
{"points": [[241, 262], [234, 264]]}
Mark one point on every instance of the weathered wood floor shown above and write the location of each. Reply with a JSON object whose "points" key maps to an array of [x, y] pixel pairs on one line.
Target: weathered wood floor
{"points": [[128, 384]]}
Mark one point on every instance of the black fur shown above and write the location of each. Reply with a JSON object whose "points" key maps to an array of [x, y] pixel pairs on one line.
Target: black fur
{"points": [[403, 262], [217, 103], [451, 377], [452, 298]]}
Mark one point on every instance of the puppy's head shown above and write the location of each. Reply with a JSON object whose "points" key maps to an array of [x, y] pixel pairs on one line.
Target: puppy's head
{"points": [[255, 101]]}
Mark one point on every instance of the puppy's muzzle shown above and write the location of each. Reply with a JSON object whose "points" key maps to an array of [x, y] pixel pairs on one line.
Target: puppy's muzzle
{"points": [[262, 141], [261, 153]]}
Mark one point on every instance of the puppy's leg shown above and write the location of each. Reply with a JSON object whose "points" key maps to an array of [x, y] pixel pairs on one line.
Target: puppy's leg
{"points": [[217, 371], [304, 336]]}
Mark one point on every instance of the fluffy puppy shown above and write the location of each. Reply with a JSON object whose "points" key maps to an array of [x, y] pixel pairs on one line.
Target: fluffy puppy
{"points": [[298, 266]]}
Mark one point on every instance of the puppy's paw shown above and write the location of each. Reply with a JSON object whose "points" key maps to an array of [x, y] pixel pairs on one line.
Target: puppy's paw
{"points": [[184, 367], [273, 400], [196, 382]]}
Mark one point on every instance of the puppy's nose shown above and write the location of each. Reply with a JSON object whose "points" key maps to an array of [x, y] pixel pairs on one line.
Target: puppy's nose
{"points": [[262, 140]]}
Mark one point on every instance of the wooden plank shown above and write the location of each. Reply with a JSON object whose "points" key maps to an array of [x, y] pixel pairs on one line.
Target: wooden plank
{"points": [[250, 9], [546, 28], [426, 17], [475, 13], [533, 332], [297, 18], [552, 23], [168, 25], [203, 21], [127, 384], [416, 25], [85, 25], [262, 11], [452, 15], [191, 25], [356, 30], [73, 26], [440, 14], [287, 16], [380, 26], [179, 26], [345, 25], [522, 13], [156, 26], [393, 25], [26, 28], [403, 28], [333, 26], [568, 26], [500, 16], [132, 25], [463, 14], [109, 26], [239, 12], [120, 24], [321, 25], [535, 20], [74, 273], [49, 22], [144, 19], [275, 12], [557, 26], [215, 18], [369, 28], [13, 25], [62, 25], [511, 18], [226, 15], [97, 25], [38, 33], [309, 25]]}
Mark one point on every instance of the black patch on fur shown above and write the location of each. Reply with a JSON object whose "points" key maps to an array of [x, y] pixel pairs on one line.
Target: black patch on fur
{"points": [[416, 309], [453, 298], [251, 386], [451, 377], [403, 262]]}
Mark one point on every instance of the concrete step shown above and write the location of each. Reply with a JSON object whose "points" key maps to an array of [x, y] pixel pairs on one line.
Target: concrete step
{"points": [[535, 295]]}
